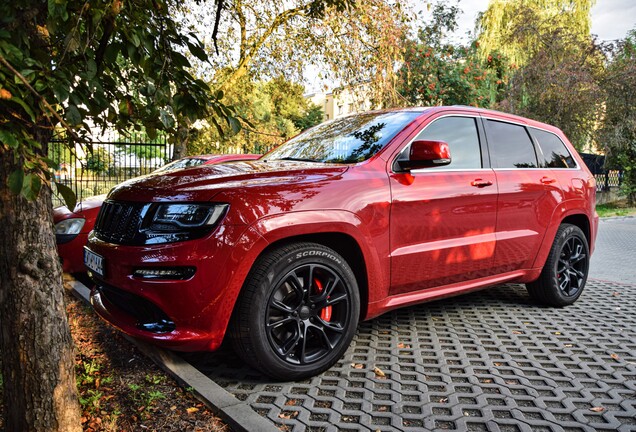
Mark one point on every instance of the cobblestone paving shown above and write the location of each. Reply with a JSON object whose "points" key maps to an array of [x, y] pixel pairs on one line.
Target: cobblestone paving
{"points": [[615, 256], [488, 361]]}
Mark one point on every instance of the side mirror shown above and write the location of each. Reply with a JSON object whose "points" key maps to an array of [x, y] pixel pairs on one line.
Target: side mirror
{"points": [[426, 154]]}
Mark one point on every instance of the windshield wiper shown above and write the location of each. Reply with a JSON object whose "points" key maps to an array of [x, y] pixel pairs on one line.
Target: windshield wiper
{"points": [[297, 159]]}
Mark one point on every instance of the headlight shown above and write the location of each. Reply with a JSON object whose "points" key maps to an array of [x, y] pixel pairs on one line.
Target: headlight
{"points": [[68, 229], [167, 223], [185, 216], [70, 226]]}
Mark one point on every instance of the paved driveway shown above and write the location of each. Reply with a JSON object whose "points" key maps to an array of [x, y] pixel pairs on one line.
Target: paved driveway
{"points": [[487, 361]]}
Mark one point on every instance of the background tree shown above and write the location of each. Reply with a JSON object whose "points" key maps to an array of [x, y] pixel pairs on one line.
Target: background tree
{"points": [[502, 19], [351, 45], [558, 84], [436, 72], [617, 134], [276, 110]]}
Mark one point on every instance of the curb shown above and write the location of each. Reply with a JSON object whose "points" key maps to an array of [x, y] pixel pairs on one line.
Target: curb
{"points": [[239, 415]]}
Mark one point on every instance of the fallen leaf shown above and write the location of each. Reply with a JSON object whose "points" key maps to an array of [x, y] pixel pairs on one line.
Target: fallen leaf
{"points": [[615, 357], [557, 333], [616, 293], [173, 408], [192, 410], [288, 415], [597, 409], [568, 345], [498, 364], [98, 381], [515, 332], [357, 365], [379, 372]]}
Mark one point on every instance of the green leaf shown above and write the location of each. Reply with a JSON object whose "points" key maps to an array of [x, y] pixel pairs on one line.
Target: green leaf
{"points": [[9, 139], [31, 187], [235, 124], [219, 94], [70, 199], [73, 115], [26, 107], [50, 162], [16, 178], [91, 69], [166, 119]]}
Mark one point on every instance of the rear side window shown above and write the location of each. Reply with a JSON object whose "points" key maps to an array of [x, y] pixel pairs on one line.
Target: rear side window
{"points": [[555, 153], [461, 135], [510, 146]]}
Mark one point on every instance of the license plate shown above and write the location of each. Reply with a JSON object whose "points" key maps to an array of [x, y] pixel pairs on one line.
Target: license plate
{"points": [[94, 262]]}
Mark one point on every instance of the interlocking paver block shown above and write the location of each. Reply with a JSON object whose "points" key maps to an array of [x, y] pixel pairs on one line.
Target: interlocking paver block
{"points": [[491, 361]]}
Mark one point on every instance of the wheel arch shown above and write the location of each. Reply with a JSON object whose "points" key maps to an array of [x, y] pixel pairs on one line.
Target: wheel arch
{"points": [[346, 246], [567, 212]]}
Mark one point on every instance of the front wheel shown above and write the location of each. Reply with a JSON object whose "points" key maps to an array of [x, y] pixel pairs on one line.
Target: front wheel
{"points": [[297, 312], [565, 272]]}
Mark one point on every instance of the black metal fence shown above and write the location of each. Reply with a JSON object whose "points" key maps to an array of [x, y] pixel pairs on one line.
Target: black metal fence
{"points": [[112, 160], [605, 178]]}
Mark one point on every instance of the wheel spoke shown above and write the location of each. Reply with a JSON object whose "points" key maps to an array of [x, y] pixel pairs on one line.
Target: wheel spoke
{"points": [[337, 299], [325, 338], [303, 346], [294, 282], [282, 307], [288, 346], [580, 257], [280, 322], [330, 326], [565, 283]]}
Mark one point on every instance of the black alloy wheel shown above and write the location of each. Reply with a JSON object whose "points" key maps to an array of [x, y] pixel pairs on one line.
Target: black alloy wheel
{"points": [[297, 312], [572, 266], [307, 314], [565, 271]]}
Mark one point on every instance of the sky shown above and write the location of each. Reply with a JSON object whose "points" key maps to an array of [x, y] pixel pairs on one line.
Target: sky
{"points": [[611, 19]]}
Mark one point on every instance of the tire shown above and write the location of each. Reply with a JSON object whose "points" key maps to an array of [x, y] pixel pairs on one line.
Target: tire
{"points": [[565, 272], [288, 331]]}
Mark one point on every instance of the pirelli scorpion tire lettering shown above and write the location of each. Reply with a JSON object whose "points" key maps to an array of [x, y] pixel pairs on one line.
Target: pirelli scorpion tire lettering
{"points": [[297, 312]]}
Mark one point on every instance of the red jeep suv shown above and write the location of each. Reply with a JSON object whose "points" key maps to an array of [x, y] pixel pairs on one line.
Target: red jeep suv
{"points": [[344, 222]]}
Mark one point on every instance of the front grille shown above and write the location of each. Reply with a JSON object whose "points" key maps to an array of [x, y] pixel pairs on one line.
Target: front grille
{"points": [[119, 222]]}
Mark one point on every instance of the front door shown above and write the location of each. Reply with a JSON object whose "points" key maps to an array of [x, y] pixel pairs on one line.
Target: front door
{"points": [[443, 219]]}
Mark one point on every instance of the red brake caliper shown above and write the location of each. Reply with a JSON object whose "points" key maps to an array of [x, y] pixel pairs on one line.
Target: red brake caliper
{"points": [[325, 313]]}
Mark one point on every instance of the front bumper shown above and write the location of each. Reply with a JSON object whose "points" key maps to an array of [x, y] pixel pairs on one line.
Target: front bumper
{"points": [[191, 314]]}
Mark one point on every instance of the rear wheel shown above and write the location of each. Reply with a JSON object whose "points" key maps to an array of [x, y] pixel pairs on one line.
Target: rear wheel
{"points": [[297, 313], [565, 272]]}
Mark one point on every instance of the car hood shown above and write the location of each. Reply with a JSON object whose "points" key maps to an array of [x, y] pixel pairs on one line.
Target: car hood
{"points": [[205, 181]]}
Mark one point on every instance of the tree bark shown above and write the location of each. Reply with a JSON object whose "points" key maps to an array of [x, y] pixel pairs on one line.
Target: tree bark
{"points": [[37, 350]]}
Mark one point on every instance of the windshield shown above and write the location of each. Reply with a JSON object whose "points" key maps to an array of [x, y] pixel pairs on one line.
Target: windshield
{"points": [[181, 163], [345, 140]]}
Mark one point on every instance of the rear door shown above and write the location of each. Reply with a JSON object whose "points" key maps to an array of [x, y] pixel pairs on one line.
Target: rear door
{"points": [[528, 194], [443, 219]]}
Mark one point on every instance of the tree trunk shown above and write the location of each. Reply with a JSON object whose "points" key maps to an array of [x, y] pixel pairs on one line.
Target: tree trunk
{"points": [[37, 350]]}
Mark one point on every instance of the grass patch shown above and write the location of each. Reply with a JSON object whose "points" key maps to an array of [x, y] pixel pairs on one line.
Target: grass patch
{"points": [[619, 208]]}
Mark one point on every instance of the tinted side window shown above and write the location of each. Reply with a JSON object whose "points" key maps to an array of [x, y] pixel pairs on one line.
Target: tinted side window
{"points": [[461, 135], [555, 154], [510, 146]]}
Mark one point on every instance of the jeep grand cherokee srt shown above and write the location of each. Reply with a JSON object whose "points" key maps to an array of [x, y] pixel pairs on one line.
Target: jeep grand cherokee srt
{"points": [[351, 219]]}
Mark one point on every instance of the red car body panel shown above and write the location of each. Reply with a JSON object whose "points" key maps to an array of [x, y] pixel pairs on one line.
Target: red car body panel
{"points": [[72, 252], [420, 236]]}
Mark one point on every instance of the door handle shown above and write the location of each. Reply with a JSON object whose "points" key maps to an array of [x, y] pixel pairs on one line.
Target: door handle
{"points": [[547, 180], [480, 183]]}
